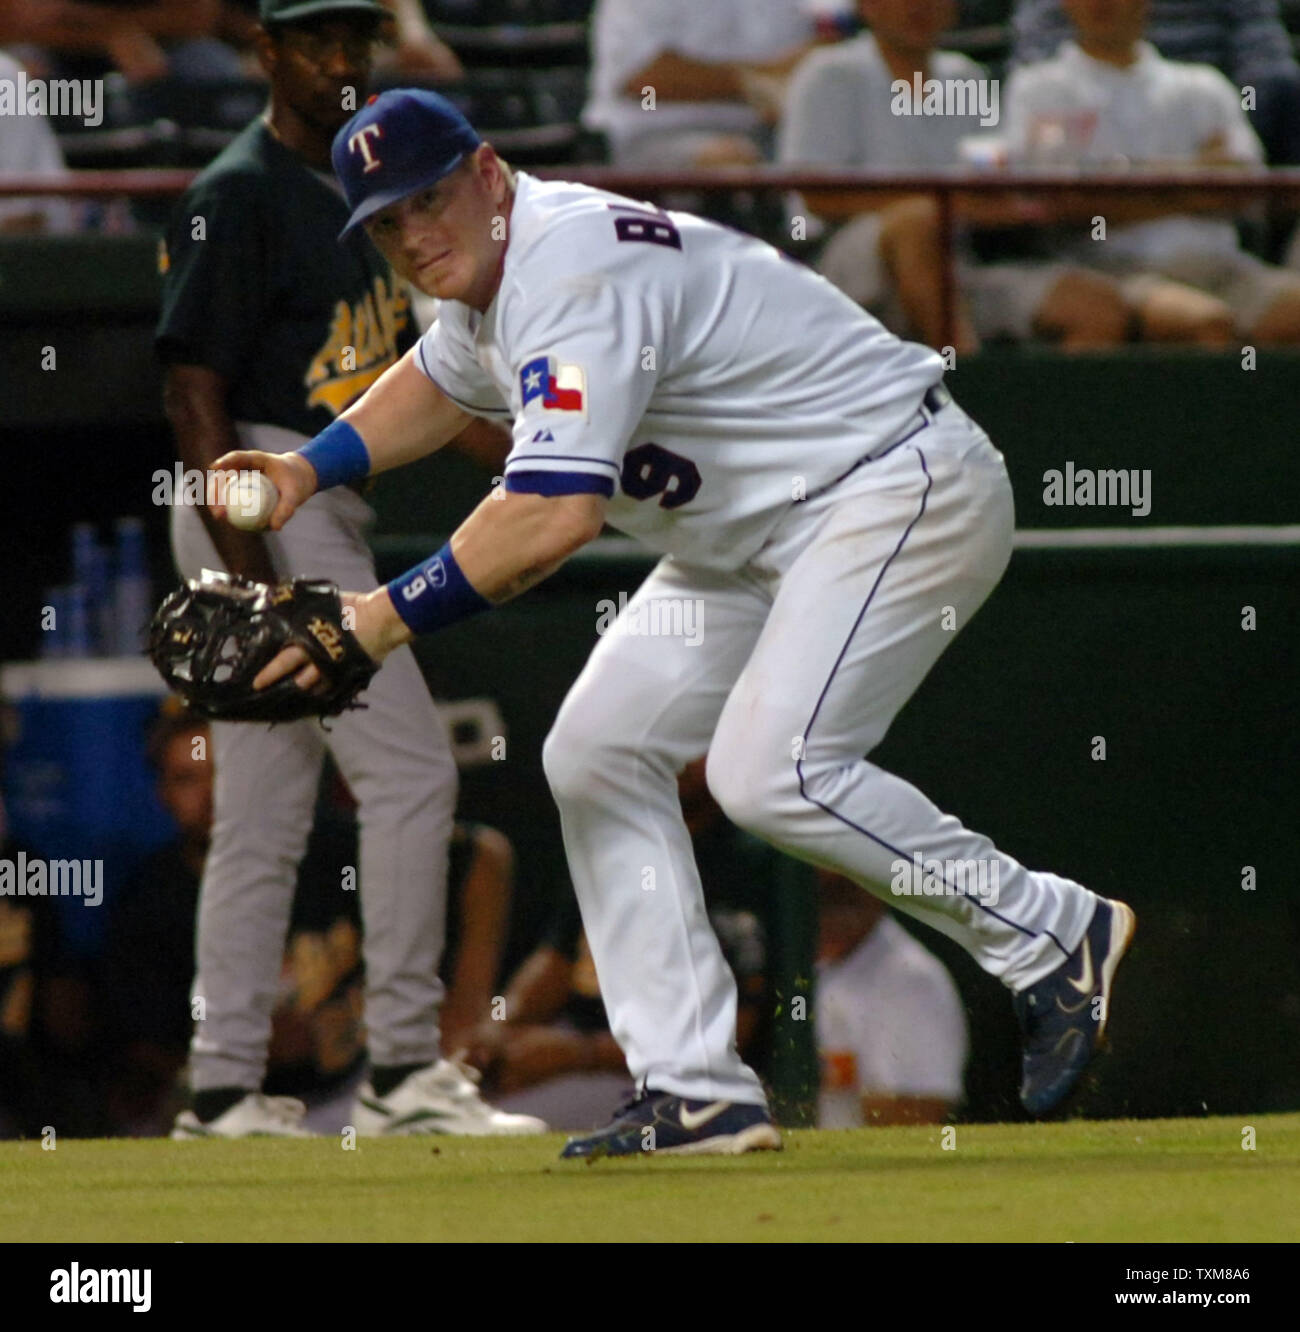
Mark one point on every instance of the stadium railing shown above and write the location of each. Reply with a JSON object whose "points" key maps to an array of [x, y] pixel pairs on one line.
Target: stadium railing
{"points": [[1280, 187]]}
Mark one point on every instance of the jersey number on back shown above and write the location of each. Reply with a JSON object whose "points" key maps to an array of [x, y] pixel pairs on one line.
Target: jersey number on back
{"points": [[646, 224], [650, 470]]}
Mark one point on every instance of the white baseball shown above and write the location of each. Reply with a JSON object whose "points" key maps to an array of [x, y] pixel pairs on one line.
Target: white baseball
{"points": [[251, 501]]}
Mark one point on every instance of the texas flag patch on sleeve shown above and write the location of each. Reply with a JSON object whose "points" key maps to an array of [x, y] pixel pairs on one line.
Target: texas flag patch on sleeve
{"points": [[561, 388]]}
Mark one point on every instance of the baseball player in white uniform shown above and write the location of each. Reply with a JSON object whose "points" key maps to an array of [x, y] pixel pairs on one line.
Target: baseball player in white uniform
{"points": [[818, 499]]}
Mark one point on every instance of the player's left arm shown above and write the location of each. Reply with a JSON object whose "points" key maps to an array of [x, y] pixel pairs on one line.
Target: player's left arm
{"points": [[511, 542], [514, 540]]}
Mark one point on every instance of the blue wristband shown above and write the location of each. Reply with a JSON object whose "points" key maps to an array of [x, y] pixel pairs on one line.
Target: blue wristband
{"points": [[435, 594], [338, 454]]}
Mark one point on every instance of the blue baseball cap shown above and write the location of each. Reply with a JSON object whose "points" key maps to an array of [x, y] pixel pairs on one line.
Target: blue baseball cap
{"points": [[401, 141]]}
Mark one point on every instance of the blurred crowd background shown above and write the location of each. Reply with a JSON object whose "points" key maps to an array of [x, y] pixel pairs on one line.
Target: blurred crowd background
{"points": [[664, 84]]}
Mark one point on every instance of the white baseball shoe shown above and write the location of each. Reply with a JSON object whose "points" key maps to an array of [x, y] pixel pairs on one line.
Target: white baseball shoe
{"points": [[256, 1116], [440, 1098]]}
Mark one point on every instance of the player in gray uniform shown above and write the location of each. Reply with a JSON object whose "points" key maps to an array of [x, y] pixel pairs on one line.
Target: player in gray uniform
{"points": [[828, 516], [270, 327]]}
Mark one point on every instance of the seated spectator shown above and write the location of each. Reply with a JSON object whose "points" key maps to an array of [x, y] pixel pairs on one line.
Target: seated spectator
{"points": [[142, 41], [413, 48], [150, 954], [1111, 97], [28, 147], [553, 1046], [663, 94], [1244, 39], [417, 49], [317, 1049], [888, 254], [891, 1031], [552, 1054], [49, 1070]]}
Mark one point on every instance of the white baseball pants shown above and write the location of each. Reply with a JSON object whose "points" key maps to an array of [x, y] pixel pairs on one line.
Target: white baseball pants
{"points": [[805, 656], [395, 757]]}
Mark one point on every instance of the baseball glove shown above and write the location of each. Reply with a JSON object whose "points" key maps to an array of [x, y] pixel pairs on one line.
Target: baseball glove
{"points": [[210, 638]]}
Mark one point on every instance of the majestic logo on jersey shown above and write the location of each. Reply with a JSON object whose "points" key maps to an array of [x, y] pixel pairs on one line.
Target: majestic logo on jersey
{"points": [[562, 388], [359, 143], [361, 345]]}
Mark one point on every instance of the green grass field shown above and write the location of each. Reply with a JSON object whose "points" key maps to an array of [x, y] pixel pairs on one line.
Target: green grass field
{"points": [[1117, 1180]]}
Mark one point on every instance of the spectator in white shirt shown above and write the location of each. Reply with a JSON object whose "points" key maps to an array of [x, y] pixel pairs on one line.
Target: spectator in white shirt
{"points": [[891, 1030], [685, 83], [1110, 99], [888, 254], [1246, 39], [28, 147]]}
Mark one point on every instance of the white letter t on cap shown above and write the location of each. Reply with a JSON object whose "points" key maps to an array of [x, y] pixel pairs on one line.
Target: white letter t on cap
{"points": [[359, 142]]}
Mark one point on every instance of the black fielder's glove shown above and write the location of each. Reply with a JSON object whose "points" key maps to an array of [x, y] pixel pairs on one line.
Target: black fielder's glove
{"points": [[211, 637]]}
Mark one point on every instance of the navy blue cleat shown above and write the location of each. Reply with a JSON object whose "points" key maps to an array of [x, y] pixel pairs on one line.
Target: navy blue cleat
{"points": [[1063, 1016], [659, 1123]]}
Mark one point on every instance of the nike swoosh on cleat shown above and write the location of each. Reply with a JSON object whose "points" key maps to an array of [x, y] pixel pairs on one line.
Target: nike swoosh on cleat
{"points": [[1088, 981], [1084, 986], [696, 1119]]}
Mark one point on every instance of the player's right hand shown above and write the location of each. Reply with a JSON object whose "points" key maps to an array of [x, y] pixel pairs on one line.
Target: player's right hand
{"points": [[290, 473]]}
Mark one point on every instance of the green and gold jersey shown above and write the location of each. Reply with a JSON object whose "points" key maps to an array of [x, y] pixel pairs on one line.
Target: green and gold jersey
{"points": [[258, 287]]}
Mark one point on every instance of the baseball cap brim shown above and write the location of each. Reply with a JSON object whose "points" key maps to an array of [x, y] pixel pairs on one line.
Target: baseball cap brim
{"points": [[313, 8], [376, 203]]}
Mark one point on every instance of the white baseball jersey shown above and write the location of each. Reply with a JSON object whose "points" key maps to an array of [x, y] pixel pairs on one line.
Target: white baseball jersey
{"points": [[697, 377]]}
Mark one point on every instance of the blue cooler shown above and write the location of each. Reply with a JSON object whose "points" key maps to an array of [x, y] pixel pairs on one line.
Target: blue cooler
{"points": [[77, 782]]}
